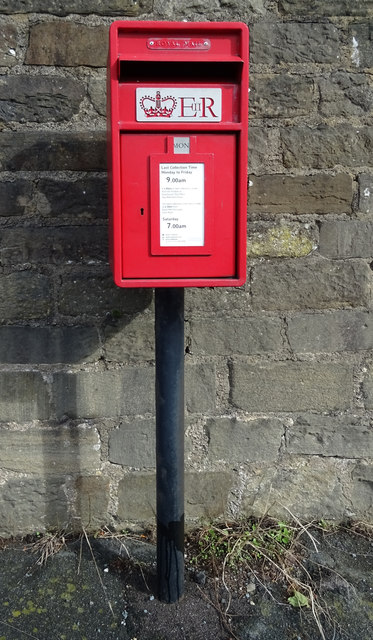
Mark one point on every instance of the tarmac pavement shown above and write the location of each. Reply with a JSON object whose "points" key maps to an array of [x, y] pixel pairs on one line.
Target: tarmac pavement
{"points": [[106, 591]]}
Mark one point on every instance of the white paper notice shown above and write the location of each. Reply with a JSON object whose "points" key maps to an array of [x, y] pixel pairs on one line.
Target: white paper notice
{"points": [[182, 204]]}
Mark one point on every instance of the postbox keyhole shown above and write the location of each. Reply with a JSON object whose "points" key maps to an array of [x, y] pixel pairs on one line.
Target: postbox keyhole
{"points": [[142, 211]]}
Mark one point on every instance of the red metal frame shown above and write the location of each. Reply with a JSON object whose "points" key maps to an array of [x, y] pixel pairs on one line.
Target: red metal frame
{"points": [[162, 55]]}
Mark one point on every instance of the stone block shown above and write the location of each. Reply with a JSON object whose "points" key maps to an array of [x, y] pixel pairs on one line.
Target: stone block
{"points": [[319, 8], [324, 147], [95, 294], [290, 240], [82, 199], [291, 386], [362, 493], [92, 501], [346, 330], [100, 394], [59, 8], [282, 96], [23, 397], [237, 441], [193, 10], [137, 498], [67, 44], [39, 98], [301, 194], [216, 302], [130, 339], [33, 504], [55, 451], [342, 436], [367, 387], [344, 95], [276, 43], [15, 197], [62, 245], [133, 444], [52, 151], [310, 487], [311, 283], [206, 496], [24, 295], [366, 193], [200, 390], [48, 345], [8, 43], [243, 336], [346, 239], [264, 150], [97, 93], [361, 39]]}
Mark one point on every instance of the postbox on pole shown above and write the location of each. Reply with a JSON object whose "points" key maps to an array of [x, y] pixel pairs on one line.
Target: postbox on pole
{"points": [[177, 141], [178, 102]]}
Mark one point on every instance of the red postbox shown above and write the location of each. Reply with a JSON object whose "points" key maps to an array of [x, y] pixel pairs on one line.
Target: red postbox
{"points": [[177, 133]]}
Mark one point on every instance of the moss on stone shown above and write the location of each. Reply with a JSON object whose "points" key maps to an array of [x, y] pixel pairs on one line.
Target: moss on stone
{"points": [[285, 241]]}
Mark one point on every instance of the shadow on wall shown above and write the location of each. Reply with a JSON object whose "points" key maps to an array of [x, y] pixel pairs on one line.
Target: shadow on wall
{"points": [[68, 371]]}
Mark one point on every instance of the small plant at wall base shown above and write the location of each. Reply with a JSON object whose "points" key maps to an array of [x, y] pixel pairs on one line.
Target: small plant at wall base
{"points": [[266, 548], [247, 542]]}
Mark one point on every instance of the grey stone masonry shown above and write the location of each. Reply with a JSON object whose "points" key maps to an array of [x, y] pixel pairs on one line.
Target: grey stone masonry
{"points": [[291, 386], [346, 239], [200, 396], [60, 450], [8, 43], [325, 147], [238, 441], [130, 339], [93, 293], [345, 436], [64, 7], [336, 331], [205, 496], [84, 198], [15, 197], [346, 94], [321, 8], [64, 151], [38, 345], [39, 99], [278, 372], [94, 394], [67, 44], [25, 295], [291, 43], [282, 95], [242, 336], [317, 194], [311, 284], [65, 244], [133, 444], [367, 387], [23, 397], [361, 40], [366, 193]]}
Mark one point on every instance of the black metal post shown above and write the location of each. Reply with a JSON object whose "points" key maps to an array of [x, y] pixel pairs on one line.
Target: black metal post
{"points": [[169, 345]]}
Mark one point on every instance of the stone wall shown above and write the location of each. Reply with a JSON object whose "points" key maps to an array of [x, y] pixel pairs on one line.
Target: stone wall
{"points": [[279, 373]]}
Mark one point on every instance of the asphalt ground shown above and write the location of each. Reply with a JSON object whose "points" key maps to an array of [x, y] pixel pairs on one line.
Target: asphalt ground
{"points": [[103, 589]]}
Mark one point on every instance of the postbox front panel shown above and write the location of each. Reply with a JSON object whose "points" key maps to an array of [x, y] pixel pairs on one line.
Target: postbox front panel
{"points": [[184, 224]]}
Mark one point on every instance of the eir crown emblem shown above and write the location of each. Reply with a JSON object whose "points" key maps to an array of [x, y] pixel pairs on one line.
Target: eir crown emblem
{"points": [[158, 107]]}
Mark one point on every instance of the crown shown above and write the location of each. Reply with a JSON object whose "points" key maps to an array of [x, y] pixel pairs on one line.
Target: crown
{"points": [[158, 107]]}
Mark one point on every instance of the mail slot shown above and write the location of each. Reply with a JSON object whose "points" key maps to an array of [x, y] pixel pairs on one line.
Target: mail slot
{"points": [[177, 140]]}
